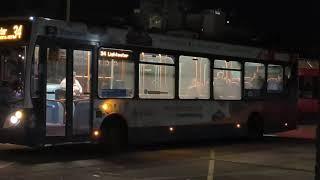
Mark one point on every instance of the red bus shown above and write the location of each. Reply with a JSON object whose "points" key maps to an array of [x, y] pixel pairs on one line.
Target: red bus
{"points": [[309, 86]]}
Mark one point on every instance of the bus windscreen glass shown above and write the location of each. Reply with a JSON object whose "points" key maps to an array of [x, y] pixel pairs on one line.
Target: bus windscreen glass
{"points": [[12, 63]]}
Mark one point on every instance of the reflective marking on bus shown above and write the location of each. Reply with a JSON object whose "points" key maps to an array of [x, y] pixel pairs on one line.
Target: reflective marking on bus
{"points": [[270, 135]]}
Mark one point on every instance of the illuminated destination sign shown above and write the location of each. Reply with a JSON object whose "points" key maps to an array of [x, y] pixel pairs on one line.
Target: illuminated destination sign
{"points": [[115, 54], [11, 33]]}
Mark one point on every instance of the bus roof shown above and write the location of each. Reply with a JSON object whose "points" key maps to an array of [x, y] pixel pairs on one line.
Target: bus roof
{"points": [[80, 31], [118, 36]]}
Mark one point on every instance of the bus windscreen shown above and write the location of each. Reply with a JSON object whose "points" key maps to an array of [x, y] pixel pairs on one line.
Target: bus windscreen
{"points": [[12, 63]]}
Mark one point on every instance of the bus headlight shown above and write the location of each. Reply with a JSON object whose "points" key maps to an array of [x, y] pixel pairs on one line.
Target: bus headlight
{"points": [[16, 117], [14, 120], [18, 114], [106, 107]]}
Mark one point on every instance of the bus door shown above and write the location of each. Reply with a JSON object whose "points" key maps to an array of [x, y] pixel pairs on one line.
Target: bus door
{"points": [[68, 91], [81, 91], [56, 106]]}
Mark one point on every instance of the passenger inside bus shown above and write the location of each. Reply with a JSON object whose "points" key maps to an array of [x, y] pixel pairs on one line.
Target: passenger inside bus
{"points": [[77, 88], [275, 84], [194, 90], [256, 81], [220, 84]]}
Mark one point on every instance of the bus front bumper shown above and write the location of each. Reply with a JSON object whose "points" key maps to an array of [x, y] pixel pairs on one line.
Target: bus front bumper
{"points": [[13, 136]]}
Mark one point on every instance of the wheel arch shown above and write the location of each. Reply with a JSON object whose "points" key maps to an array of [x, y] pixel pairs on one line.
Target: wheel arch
{"points": [[114, 119]]}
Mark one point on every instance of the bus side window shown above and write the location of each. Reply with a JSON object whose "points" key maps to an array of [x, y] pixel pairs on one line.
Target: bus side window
{"points": [[35, 73], [227, 80], [156, 76], [254, 79], [194, 77], [275, 79], [115, 73]]}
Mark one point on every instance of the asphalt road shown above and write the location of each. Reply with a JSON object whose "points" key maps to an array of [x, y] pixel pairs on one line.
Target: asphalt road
{"points": [[274, 158]]}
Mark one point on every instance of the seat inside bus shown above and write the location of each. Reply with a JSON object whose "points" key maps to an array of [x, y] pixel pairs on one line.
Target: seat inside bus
{"points": [[55, 111]]}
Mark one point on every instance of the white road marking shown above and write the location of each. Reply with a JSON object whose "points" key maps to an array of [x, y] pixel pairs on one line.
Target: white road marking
{"points": [[211, 166], [6, 165]]}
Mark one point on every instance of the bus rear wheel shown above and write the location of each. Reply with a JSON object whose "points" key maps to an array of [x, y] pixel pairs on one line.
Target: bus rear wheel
{"points": [[114, 138], [255, 127]]}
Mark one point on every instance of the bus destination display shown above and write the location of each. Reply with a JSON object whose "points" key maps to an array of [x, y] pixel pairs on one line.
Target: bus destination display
{"points": [[115, 54], [11, 32]]}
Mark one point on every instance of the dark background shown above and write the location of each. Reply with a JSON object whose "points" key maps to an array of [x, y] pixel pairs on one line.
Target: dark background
{"points": [[288, 24]]}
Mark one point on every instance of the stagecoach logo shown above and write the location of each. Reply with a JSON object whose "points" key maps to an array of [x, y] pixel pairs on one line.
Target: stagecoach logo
{"points": [[13, 33], [112, 54]]}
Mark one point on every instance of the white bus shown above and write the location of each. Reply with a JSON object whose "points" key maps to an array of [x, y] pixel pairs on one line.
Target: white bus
{"points": [[61, 83]]}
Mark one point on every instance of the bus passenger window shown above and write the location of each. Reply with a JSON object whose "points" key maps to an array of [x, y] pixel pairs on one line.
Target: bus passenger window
{"points": [[115, 74], [194, 77], [275, 79], [227, 80], [254, 79], [156, 76]]}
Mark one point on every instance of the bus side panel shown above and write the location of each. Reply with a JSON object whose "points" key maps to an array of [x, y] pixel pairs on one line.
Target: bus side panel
{"points": [[190, 119], [151, 120]]}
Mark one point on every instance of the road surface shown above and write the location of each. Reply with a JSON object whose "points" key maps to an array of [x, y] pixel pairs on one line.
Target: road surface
{"points": [[274, 158]]}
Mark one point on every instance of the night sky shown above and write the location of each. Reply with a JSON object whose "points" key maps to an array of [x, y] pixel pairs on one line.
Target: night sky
{"points": [[287, 24]]}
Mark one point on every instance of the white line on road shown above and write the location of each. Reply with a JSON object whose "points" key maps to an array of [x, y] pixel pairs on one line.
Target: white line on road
{"points": [[6, 165], [211, 166]]}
